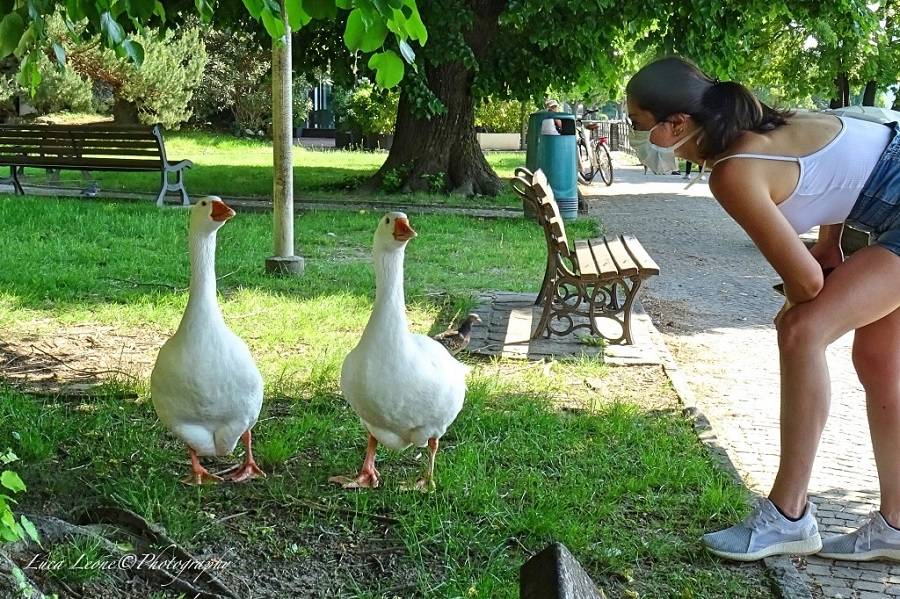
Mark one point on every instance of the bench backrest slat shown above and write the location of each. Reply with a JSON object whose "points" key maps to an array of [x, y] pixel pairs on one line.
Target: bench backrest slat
{"points": [[549, 215], [81, 141], [75, 151], [26, 144]]}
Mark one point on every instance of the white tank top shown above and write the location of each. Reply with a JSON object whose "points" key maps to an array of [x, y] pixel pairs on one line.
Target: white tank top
{"points": [[832, 176]]}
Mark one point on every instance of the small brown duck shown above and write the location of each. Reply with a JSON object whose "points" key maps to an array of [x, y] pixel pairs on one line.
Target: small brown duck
{"points": [[456, 340]]}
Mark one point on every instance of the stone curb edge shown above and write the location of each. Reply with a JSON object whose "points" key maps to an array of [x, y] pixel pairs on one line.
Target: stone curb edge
{"points": [[782, 570]]}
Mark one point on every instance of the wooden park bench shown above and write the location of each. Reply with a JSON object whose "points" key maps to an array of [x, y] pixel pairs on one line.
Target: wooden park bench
{"points": [[91, 148], [596, 279]]}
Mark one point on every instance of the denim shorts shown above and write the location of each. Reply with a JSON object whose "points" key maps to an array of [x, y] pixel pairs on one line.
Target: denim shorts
{"points": [[877, 209]]}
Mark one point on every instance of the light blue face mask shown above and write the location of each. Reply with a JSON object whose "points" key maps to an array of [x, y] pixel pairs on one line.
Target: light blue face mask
{"points": [[658, 159]]}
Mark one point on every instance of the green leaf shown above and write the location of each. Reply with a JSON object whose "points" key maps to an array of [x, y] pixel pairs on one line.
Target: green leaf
{"points": [[111, 29], [8, 534], [320, 9], [359, 37], [134, 51], [26, 42], [140, 9], [75, 10], [11, 481], [274, 25], [388, 68], [414, 24], [254, 7], [60, 53], [11, 29], [297, 17], [160, 10], [30, 529], [344, 4], [205, 8], [407, 52], [6, 6]]}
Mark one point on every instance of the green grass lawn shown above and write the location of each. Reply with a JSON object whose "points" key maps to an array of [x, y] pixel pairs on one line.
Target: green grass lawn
{"points": [[618, 476], [228, 166]]}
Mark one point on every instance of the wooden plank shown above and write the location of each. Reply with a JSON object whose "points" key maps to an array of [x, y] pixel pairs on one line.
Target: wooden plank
{"points": [[606, 265], [646, 264], [623, 260], [81, 133], [96, 164], [558, 230], [77, 141], [540, 184], [76, 151], [585, 258]]}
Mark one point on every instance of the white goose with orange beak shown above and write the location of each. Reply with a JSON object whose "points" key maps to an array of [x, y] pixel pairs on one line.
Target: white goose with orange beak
{"points": [[406, 388], [205, 386]]}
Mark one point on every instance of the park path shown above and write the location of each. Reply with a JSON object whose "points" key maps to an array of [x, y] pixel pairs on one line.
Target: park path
{"points": [[714, 304]]}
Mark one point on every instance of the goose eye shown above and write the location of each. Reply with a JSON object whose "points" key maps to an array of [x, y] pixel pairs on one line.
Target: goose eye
{"points": [[203, 203], [387, 221]]}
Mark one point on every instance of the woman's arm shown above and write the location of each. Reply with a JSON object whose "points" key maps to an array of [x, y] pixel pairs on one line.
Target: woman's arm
{"points": [[744, 195], [827, 249]]}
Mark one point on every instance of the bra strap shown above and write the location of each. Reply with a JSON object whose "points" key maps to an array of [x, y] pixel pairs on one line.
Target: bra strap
{"points": [[761, 157]]}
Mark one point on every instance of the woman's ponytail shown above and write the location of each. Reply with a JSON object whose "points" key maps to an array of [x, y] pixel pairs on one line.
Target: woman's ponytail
{"points": [[726, 110]]}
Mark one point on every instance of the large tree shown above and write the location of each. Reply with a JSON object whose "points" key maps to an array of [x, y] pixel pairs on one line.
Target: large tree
{"points": [[504, 49]]}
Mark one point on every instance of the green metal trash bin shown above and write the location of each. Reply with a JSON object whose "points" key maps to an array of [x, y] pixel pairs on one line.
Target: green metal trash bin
{"points": [[556, 156]]}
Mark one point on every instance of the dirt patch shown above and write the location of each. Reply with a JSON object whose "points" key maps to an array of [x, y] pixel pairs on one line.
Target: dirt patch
{"points": [[73, 357]]}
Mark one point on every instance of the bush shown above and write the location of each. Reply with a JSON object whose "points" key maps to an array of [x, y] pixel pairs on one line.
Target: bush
{"points": [[237, 81], [501, 116], [62, 89], [8, 91], [237, 66], [162, 87], [253, 110], [366, 108]]}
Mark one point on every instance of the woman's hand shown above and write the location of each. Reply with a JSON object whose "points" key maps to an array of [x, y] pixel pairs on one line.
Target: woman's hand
{"points": [[787, 306], [828, 255]]}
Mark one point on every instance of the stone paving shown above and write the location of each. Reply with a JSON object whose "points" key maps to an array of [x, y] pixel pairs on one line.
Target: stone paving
{"points": [[714, 304]]}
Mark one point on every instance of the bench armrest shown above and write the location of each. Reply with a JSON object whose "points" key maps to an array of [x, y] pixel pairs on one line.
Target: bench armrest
{"points": [[179, 165]]}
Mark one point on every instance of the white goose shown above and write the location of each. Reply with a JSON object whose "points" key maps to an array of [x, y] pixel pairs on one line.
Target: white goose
{"points": [[406, 388], [205, 385]]}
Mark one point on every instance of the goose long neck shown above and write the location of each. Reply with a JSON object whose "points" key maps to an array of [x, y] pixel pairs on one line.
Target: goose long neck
{"points": [[202, 300], [389, 313]]}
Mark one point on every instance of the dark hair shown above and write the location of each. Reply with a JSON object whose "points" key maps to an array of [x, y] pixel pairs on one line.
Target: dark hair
{"points": [[724, 109]]}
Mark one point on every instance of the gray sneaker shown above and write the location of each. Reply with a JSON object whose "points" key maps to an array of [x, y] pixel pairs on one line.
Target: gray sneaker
{"points": [[873, 540], [766, 532]]}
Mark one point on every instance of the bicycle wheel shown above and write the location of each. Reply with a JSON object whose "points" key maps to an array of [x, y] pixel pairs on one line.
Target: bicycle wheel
{"points": [[585, 168], [604, 163]]}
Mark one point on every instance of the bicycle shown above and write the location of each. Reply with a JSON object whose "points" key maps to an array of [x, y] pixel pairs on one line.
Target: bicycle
{"points": [[593, 158]]}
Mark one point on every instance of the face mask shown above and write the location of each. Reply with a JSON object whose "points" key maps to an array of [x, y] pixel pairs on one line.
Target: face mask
{"points": [[659, 160]]}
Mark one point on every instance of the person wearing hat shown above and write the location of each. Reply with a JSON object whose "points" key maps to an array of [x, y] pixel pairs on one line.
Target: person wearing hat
{"points": [[551, 126]]}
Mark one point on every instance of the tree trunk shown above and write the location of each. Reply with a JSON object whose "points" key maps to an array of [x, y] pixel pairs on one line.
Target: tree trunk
{"points": [[842, 98], [283, 261], [446, 143], [868, 98], [125, 113]]}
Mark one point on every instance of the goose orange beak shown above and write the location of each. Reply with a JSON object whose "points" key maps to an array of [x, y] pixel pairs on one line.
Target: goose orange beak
{"points": [[220, 211], [402, 230]]}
